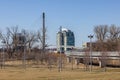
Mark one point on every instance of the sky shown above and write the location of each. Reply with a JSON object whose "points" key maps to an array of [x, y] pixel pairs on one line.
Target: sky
{"points": [[80, 16]]}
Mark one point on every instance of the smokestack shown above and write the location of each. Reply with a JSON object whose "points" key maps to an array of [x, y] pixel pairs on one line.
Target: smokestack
{"points": [[43, 46]]}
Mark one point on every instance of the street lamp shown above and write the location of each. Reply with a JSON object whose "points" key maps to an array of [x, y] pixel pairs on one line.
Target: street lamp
{"points": [[3, 55], [90, 36]]}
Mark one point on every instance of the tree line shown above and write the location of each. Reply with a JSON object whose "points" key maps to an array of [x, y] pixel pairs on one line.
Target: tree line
{"points": [[10, 41], [29, 50], [108, 38]]}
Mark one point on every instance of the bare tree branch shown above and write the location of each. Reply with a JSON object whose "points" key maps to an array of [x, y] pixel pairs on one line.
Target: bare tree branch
{"points": [[114, 32], [101, 32]]}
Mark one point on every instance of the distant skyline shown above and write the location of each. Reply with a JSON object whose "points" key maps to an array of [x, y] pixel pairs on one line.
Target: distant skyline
{"points": [[80, 16]]}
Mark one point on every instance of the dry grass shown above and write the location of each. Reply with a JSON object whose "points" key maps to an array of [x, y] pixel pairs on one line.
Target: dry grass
{"points": [[33, 73]]}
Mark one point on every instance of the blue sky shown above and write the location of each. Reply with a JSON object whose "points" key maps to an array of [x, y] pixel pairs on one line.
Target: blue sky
{"points": [[80, 16]]}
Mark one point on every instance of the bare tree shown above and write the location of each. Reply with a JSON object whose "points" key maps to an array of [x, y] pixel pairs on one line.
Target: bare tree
{"points": [[114, 33], [31, 38], [107, 37], [86, 60], [42, 40], [13, 35], [101, 32], [104, 58], [6, 40], [39, 38], [113, 38]]}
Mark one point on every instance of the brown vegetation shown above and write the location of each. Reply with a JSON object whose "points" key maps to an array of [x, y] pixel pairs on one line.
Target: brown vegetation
{"points": [[42, 73], [108, 38]]}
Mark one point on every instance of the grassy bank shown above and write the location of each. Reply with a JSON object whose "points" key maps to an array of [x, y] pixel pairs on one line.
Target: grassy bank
{"points": [[35, 73]]}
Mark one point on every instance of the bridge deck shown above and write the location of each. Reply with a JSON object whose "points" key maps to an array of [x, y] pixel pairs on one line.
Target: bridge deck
{"points": [[109, 55]]}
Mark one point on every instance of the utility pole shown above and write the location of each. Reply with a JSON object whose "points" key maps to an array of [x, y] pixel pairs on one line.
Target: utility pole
{"points": [[24, 51], [2, 61], [90, 36], [60, 58], [4, 56], [24, 56]]}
